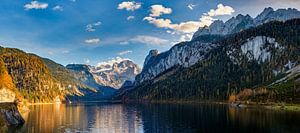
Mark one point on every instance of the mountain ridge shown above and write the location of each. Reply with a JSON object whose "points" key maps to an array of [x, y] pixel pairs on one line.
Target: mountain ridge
{"points": [[112, 74], [242, 22], [162, 61], [253, 58]]}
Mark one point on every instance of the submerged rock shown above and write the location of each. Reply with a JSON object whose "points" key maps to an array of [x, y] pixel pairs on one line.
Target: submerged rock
{"points": [[9, 116]]}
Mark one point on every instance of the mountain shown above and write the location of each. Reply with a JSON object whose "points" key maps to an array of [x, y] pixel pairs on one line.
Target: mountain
{"points": [[183, 54], [186, 54], [114, 73], [95, 91], [34, 78], [241, 22], [221, 67], [105, 78]]}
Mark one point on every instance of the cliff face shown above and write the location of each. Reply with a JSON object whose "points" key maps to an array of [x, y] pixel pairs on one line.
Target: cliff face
{"points": [[184, 54], [9, 116]]}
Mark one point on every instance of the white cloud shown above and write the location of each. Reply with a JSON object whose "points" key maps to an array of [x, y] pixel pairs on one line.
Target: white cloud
{"points": [[130, 17], [50, 53], [161, 23], [97, 23], [158, 10], [92, 27], [185, 37], [191, 26], [151, 40], [35, 5], [92, 41], [125, 52], [129, 5], [124, 43], [65, 51], [111, 61], [191, 6], [221, 10], [184, 27], [58, 8], [86, 61]]}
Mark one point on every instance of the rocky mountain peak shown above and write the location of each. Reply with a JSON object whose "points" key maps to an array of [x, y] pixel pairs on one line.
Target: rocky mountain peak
{"points": [[242, 22], [111, 73], [151, 54]]}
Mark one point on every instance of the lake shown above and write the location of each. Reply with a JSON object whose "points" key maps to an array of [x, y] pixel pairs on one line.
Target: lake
{"points": [[156, 118]]}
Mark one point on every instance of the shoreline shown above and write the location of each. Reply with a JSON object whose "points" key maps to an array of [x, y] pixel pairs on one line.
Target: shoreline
{"points": [[238, 104], [41, 103]]}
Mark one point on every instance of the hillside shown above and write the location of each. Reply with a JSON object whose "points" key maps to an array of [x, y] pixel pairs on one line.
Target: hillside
{"points": [[34, 79], [251, 59]]}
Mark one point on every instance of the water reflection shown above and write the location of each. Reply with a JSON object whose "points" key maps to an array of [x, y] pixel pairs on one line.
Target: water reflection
{"points": [[156, 118], [112, 118]]}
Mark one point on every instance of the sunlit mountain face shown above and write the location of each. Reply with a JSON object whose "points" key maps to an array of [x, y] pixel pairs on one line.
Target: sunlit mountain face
{"points": [[149, 66]]}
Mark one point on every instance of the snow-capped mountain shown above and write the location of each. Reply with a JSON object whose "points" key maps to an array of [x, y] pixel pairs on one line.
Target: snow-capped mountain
{"points": [[115, 72], [186, 54], [83, 74], [241, 22], [112, 73]]}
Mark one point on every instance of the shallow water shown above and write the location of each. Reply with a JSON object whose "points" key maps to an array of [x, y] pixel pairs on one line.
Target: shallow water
{"points": [[152, 118]]}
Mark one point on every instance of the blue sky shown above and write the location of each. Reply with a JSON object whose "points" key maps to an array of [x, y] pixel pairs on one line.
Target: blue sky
{"points": [[93, 31]]}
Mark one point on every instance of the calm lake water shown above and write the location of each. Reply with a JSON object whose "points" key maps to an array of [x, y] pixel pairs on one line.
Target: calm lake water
{"points": [[156, 118]]}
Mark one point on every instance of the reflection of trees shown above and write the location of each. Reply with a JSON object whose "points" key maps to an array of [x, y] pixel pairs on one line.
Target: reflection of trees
{"points": [[182, 118], [214, 118], [264, 120]]}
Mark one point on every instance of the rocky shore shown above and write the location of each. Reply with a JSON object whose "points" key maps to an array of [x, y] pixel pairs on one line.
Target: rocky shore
{"points": [[9, 116]]}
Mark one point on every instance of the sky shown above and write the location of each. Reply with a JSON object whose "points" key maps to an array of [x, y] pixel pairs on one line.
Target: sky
{"points": [[95, 31]]}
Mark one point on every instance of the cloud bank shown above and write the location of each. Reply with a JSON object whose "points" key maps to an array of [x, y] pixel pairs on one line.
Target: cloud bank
{"points": [[125, 52], [190, 26], [150, 40]]}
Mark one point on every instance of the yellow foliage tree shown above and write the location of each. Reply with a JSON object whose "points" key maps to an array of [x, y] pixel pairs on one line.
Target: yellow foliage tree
{"points": [[5, 78]]}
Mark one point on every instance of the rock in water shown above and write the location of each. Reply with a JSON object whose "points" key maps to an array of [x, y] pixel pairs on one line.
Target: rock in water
{"points": [[9, 116]]}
